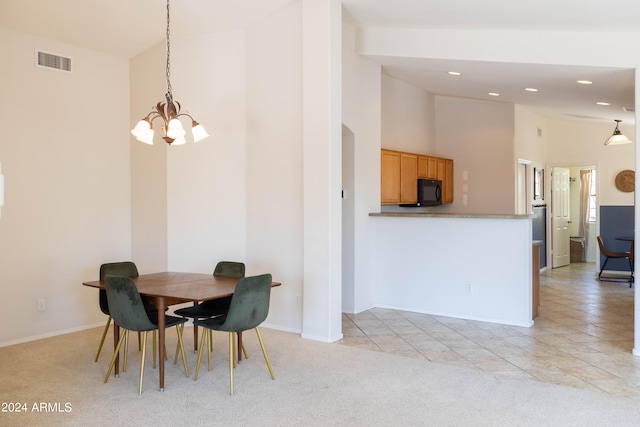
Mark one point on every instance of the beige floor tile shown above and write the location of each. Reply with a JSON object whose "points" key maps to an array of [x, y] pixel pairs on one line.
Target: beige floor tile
{"points": [[583, 336]]}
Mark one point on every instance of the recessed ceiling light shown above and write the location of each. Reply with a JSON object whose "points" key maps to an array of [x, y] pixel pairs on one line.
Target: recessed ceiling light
{"points": [[585, 82], [453, 73], [494, 94], [603, 103], [530, 89]]}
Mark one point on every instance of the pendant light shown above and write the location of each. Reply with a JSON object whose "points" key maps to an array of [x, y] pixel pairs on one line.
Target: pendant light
{"points": [[617, 137], [169, 112]]}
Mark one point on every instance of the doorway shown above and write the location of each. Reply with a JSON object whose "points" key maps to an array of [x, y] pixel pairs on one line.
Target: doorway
{"points": [[574, 205]]}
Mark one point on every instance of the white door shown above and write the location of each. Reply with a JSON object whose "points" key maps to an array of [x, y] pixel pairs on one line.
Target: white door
{"points": [[560, 217]]}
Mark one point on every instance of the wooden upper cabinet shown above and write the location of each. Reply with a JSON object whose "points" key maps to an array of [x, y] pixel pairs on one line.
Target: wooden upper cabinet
{"points": [[447, 183], [408, 178], [432, 168], [390, 177], [400, 172], [423, 165], [427, 167]]}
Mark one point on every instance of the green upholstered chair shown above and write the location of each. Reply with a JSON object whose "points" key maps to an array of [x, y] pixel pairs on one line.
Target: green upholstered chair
{"points": [[125, 269], [249, 307], [127, 310], [216, 307]]}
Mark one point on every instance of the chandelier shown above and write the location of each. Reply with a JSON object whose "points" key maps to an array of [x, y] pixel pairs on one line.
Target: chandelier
{"points": [[169, 112]]}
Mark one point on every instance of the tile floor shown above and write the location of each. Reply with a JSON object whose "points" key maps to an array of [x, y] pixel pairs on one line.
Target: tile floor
{"points": [[582, 338]]}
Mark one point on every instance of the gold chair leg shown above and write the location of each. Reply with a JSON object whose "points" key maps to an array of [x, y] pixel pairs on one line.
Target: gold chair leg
{"points": [[235, 351], [104, 335], [144, 350], [113, 359], [181, 344], [204, 337], [231, 359], [126, 351], [264, 351], [175, 358]]}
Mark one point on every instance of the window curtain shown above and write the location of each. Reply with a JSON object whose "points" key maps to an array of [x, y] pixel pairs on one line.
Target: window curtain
{"points": [[585, 197]]}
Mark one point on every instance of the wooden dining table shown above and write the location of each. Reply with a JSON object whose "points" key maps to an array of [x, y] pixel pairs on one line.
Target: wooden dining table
{"points": [[170, 288]]}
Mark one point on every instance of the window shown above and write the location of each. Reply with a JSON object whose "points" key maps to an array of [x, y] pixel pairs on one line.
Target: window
{"points": [[592, 197]]}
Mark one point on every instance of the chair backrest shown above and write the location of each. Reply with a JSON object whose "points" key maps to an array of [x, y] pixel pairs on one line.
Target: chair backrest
{"points": [[124, 268], [126, 304], [229, 268], [603, 249], [249, 304]]}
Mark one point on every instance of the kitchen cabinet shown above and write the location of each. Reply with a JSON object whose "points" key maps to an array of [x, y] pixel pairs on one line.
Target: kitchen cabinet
{"points": [[400, 171], [408, 178], [447, 182], [427, 167], [390, 177]]}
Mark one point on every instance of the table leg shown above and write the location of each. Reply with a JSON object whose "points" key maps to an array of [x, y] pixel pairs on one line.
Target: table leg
{"points": [[195, 333], [116, 338], [161, 327]]}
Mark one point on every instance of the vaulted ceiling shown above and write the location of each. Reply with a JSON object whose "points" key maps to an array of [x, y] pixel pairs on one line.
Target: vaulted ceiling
{"points": [[127, 27]]}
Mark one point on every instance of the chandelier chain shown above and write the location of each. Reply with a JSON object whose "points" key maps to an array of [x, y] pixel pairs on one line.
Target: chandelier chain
{"points": [[169, 94]]}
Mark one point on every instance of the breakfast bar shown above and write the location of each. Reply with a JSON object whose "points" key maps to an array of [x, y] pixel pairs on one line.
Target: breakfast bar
{"points": [[470, 266]]}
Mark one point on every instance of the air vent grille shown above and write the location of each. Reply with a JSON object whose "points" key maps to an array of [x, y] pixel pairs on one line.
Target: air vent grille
{"points": [[57, 62], [629, 109]]}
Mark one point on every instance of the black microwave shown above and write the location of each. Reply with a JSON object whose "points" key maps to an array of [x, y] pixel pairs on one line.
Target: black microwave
{"points": [[429, 193]]}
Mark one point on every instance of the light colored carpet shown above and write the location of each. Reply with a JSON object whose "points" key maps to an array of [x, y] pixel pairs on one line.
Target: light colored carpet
{"points": [[317, 384]]}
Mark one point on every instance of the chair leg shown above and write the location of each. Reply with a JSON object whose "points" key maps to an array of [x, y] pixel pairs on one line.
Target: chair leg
{"points": [[231, 359], [603, 266], [181, 344], [264, 352], [202, 343], [104, 335], [144, 350], [113, 359], [175, 358], [139, 342], [126, 351]]}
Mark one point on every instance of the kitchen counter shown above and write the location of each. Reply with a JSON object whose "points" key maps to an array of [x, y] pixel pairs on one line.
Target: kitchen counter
{"points": [[448, 215]]}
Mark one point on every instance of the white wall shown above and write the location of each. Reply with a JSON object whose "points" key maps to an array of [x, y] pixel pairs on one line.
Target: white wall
{"points": [[65, 158], [149, 227], [579, 143], [361, 115], [408, 117], [529, 144], [434, 265], [206, 194], [478, 136], [274, 170]]}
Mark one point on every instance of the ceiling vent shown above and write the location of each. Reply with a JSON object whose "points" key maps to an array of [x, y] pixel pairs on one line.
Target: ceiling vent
{"points": [[629, 109], [52, 61]]}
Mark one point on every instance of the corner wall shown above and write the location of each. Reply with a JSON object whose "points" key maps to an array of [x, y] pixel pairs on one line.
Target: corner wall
{"points": [[65, 158]]}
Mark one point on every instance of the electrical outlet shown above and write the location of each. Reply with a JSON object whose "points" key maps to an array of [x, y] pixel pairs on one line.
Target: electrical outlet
{"points": [[41, 305], [469, 289]]}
